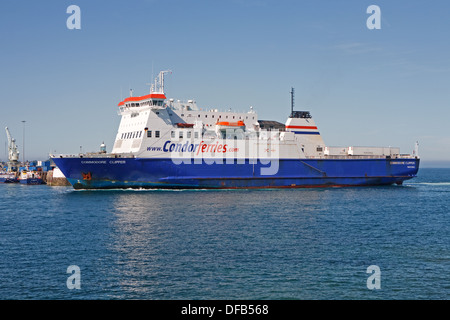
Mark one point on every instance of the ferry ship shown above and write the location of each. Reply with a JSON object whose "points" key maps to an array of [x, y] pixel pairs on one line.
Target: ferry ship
{"points": [[168, 143]]}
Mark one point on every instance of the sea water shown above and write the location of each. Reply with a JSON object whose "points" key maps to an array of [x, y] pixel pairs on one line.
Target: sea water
{"points": [[319, 243]]}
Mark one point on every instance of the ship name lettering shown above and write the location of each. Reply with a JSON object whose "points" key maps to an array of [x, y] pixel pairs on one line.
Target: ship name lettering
{"points": [[93, 162], [117, 162]]}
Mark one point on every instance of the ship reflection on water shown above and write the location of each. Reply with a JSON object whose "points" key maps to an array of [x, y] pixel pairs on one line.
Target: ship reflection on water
{"points": [[189, 243]]}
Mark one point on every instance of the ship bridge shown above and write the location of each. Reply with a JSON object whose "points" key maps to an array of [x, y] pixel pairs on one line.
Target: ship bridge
{"points": [[156, 97], [152, 99]]}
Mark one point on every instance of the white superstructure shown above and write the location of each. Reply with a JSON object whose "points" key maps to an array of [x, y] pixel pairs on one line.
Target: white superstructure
{"points": [[151, 124]]}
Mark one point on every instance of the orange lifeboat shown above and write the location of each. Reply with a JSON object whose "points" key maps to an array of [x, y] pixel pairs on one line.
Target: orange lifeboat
{"points": [[240, 123]]}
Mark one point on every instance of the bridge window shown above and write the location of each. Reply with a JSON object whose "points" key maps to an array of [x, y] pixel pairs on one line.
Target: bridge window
{"points": [[300, 114], [156, 134], [149, 133]]}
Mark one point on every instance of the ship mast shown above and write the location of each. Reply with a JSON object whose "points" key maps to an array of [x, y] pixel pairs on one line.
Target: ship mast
{"points": [[158, 86], [292, 101]]}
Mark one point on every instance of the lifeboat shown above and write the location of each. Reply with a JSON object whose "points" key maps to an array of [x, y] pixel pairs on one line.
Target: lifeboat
{"points": [[239, 123], [185, 125]]}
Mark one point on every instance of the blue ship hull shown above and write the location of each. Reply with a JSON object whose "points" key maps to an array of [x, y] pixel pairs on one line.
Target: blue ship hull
{"points": [[8, 180], [112, 173], [31, 181]]}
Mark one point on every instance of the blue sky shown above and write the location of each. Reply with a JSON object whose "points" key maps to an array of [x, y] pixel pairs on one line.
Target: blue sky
{"points": [[387, 87]]}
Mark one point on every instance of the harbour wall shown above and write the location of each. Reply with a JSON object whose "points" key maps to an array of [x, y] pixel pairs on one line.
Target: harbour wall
{"points": [[56, 178]]}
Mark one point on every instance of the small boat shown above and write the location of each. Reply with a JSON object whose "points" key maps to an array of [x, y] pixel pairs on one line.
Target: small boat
{"points": [[8, 177], [30, 177]]}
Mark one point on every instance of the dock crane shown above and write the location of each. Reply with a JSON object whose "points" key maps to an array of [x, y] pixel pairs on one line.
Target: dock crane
{"points": [[13, 152]]}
